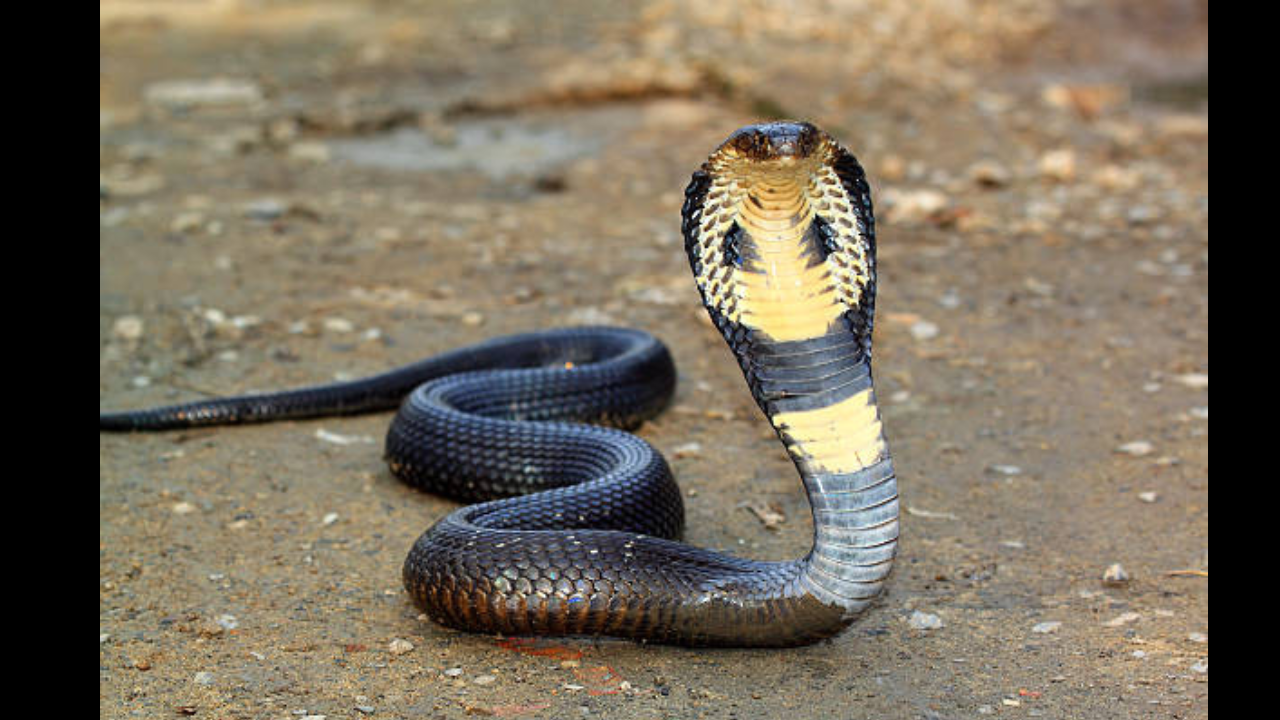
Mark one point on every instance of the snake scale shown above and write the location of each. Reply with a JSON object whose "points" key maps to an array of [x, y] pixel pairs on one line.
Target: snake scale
{"points": [[576, 527]]}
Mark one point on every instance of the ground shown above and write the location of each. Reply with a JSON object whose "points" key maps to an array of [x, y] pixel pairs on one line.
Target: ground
{"points": [[297, 191]]}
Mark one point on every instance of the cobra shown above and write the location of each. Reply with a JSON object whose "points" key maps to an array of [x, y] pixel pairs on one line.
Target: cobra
{"points": [[575, 527]]}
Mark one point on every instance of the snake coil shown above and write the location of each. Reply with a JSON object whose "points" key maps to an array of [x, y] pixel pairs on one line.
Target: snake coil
{"points": [[576, 526]]}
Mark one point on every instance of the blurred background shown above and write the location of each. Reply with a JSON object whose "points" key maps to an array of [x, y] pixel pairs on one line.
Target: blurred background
{"points": [[291, 72]]}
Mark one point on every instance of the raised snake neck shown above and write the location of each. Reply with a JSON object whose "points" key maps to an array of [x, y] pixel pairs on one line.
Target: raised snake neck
{"points": [[577, 527]]}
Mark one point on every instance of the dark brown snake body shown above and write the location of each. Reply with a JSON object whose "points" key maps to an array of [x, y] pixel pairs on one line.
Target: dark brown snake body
{"points": [[576, 527]]}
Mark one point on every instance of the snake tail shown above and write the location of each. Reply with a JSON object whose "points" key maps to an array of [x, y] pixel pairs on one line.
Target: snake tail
{"points": [[617, 349]]}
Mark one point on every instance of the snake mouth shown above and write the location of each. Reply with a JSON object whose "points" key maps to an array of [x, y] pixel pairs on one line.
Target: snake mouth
{"points": [[775, 141]]}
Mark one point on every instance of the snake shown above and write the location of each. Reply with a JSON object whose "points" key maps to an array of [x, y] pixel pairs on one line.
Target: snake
{"points": [[573, 524]]}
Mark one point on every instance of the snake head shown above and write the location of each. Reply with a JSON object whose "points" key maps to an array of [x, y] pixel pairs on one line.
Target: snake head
{"points": [[790, 188], [774, 141]]}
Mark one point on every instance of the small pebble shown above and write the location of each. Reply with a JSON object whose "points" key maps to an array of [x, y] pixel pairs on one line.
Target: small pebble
{"points": [[1058, 165], [127, 327], [913, 205], [338, 439], [400, 646], [243, 322], [184, 508], [924, 330], [484, 679], [338, 325], [453, 672], [1198, 637], [1148, 497], [1115, 575], [1197, 381], [989, 173], [689, 449], [1050, 626], [187, 222], [1137, 448], [924, 621], [204, 678], [1200, 666], [230, 622], [330, 518], [265, 209], [1005, 469], [1114, 177]]}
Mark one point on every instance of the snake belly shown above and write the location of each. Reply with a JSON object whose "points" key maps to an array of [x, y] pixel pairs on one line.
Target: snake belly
{"points": [[576, 527]]}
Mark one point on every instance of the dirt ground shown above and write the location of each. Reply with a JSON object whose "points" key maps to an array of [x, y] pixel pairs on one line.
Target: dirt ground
{"points": [[297, 191]]}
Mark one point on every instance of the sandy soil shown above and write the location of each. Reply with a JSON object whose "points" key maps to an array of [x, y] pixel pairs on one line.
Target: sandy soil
{"points": [[292, 192]]}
